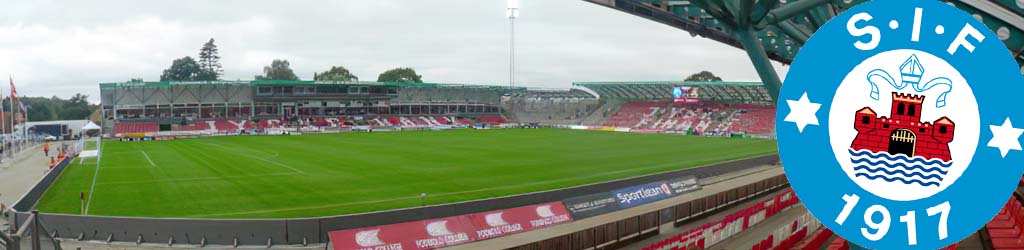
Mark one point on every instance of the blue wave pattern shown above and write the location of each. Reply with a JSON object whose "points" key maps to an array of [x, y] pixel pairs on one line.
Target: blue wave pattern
{"points": [[899, 168], [897, 178], [868, 162], [900, 157]]}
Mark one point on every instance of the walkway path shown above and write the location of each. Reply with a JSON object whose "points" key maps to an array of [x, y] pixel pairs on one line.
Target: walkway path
{"points": [[18, 176], [759, 232]]}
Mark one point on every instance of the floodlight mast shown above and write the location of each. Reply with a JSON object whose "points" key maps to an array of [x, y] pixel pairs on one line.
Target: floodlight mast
{"points": [[512, 12]]}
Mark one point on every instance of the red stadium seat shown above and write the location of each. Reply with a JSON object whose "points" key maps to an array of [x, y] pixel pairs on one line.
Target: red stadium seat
{"points": [[1005, 229], [700, 118]]}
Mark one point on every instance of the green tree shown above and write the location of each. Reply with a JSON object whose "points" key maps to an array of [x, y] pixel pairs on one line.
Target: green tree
{"points": [[182, 69], [209, 62], [278, 70], [399, 75], [338, 73], [55, 108], [76, 108], [41, 112], [704, 76]]}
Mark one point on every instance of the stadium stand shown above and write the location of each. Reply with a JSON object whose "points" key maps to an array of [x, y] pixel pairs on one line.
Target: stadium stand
{"points": [[451, 93], [217, 107], [733, 224], [787, 236], [707, 118], [753, 119], [608, 108], [184, 105], [816, 239], [1005, 229], [551, 107], [141, 127]]}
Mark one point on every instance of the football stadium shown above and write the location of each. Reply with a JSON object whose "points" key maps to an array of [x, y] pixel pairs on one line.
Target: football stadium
{"points": [[384, 165]]}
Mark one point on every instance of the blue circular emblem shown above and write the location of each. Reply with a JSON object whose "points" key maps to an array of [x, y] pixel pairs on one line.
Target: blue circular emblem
{"points": [[677, 92], [898, 125]]}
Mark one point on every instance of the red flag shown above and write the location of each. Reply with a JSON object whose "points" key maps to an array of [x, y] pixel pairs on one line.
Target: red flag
{"points": [[14, 93], [14, 98]]}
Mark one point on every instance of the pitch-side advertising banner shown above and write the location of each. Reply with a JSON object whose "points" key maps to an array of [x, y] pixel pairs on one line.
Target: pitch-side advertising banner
{"points": [[425, 234], [515, 220], [436, 233], [606, 202]]}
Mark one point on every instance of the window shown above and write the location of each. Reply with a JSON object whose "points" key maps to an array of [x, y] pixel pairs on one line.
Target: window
{"points": [[264, 91], [885, 126], [911, 109], [900, 108], [942, 130], [920, 130], [865, 120]]}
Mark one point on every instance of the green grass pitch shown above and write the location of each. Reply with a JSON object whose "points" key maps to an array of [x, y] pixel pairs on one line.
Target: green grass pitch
{"points": [[332, 174]]}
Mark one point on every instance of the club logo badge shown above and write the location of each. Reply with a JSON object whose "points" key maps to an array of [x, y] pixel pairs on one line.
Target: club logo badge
{"points": [[896, 124]]}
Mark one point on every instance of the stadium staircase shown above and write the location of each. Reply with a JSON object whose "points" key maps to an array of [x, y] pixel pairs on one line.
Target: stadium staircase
{"points": [[602, 113]]}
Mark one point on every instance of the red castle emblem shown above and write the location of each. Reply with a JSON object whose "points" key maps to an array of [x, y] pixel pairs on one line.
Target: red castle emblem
{"points": [[904, 133]]}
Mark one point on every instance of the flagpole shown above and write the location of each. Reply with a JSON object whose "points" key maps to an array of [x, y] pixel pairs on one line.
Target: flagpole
{"points": [[12, 107], [24, 126], [3, 122]]}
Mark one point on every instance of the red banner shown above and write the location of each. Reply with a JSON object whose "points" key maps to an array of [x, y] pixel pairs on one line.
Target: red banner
{"points": [[425, 234], [521, 219], [436, 233]]}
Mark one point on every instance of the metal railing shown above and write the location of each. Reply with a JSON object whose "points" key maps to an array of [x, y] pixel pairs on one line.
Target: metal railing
{"points": [[31, 235]]}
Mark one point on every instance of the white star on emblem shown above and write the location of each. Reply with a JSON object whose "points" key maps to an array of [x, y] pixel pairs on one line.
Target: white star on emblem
{"points": [[802, 112], [1005, 137]]}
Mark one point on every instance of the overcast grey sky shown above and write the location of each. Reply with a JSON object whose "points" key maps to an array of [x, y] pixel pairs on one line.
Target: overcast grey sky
{"points": [[66, 47]]}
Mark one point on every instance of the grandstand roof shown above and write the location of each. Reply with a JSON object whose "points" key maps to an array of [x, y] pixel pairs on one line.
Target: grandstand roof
{"points": [[738, 92], [294, 83], [672, 83], [784, 32], [776, 29]]}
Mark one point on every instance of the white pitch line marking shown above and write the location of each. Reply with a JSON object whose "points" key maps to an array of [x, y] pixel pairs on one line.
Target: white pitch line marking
{"points": [[147, 158], [526, 184], [92, 187], [259, 158]]}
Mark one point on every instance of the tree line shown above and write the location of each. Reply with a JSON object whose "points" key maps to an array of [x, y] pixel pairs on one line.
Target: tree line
{"points": [[54, 108], [209, 68]]}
